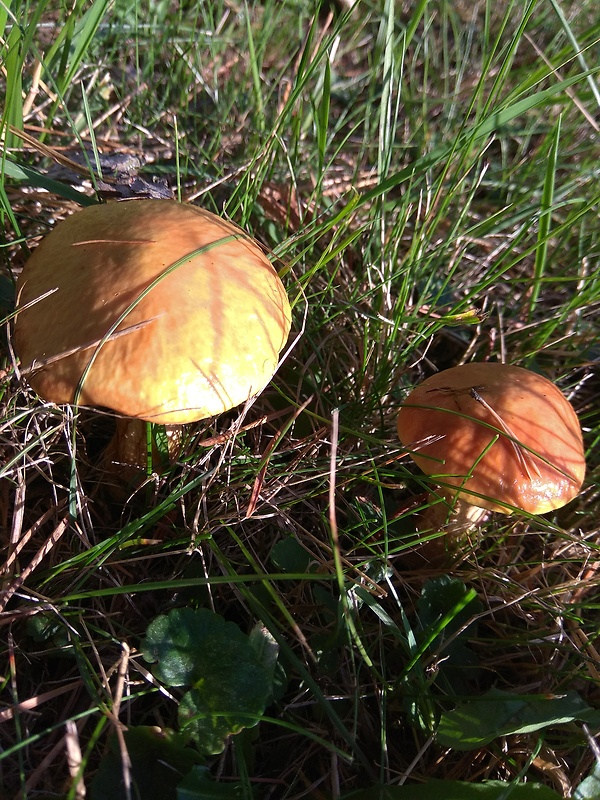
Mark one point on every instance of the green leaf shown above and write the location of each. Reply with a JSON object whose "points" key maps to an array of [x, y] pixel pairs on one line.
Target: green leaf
{"points": [[288, 555], [589, 788], [21, 172], [210, 714], [230, 684], [498, 713], [446, 600], [444, 609], [457, 790], [198, 785], [266, 650], [159, 760]]}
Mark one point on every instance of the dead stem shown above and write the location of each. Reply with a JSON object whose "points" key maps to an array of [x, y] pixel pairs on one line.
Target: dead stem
{"points": [[35, 365]]}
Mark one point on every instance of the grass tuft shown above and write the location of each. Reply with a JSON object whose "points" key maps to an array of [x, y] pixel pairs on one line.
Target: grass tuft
{"points": [[425, 177]]}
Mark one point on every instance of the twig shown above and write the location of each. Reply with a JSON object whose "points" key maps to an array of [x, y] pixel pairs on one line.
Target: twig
{"points": [[7, 593], [35, 365]]}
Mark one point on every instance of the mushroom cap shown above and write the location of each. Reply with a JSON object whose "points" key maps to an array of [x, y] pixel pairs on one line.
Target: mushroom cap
{"points": [[202, 312], [504, 436]]}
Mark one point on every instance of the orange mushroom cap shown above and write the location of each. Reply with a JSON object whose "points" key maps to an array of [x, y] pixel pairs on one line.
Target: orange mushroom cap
{"points": [[506, 438], [156, 309]]}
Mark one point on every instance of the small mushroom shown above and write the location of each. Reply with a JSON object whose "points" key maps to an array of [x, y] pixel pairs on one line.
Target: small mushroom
{"points": [[493, 437], [158, 310]]}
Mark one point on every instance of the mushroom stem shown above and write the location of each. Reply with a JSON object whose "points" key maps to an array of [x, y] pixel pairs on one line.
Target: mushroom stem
{"points": [[128, 449], [444, 525], [129, 445], [453, 515]]}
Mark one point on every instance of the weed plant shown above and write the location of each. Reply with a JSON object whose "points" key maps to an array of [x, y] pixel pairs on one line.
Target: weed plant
{"points": [[425, 176]]}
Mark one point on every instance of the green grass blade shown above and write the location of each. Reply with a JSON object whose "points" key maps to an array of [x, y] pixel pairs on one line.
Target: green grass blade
{"points": [[577, 49], [255, 72], [545, 220], [31, 177], [322, 118], [494, 123]]}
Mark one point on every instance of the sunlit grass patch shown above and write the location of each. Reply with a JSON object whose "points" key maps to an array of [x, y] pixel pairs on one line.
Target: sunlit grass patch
{"points": [[425, 180]]}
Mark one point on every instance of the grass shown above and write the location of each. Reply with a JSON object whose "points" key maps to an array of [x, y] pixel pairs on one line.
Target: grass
{"points": [[425, 176]]}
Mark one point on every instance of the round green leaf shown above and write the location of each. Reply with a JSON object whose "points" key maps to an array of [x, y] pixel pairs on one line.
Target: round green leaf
{"points": [[210, 714], [188, 645], [159, 760], [457, 790], [230, 685]]}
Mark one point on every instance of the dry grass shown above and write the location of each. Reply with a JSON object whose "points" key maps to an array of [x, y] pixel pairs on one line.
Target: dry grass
{"points": [[382, 273]]}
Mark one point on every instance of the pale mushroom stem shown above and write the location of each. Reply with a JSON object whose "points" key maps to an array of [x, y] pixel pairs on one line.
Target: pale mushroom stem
{"points": [[452, 515], [127, 452], [447, 521], [456, 516], [129, 443]]}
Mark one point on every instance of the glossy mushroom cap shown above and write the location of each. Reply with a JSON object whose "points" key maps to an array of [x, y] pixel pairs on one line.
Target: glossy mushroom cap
{"points": [[502, 437], [158, 310]]}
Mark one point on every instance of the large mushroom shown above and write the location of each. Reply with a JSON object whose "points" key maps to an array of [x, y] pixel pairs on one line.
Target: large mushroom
{"points": [[158, 310], [493, 437]]}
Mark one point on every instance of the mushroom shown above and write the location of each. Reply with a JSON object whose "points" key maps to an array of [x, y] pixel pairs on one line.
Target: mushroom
{"points": [[158, 310], [493, 437]]}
